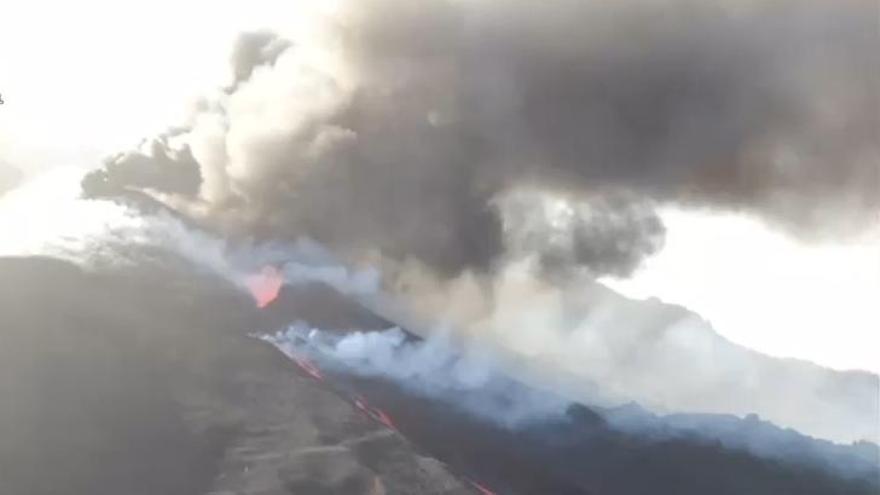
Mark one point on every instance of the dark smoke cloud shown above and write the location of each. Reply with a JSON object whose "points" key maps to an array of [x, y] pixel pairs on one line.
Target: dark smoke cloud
{"points": [[157, 166], [406, 126], [607, 234]]}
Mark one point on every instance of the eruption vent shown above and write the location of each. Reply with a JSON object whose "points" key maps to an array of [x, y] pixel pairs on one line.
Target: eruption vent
{"points": [[265, 285]]}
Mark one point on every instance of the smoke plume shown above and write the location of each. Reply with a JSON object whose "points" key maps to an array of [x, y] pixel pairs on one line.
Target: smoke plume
{"points": [[403, 127], [459, 141], [569, 335], [472, 382], [433, 368]]}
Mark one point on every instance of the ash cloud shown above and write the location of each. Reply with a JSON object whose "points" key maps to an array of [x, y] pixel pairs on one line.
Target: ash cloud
{"points": [[609, 234], [155, 166], [401, 128]]}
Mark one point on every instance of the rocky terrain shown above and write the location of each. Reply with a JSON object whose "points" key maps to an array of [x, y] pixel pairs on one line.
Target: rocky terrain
{"points": [[145, 380], [146, 383]]}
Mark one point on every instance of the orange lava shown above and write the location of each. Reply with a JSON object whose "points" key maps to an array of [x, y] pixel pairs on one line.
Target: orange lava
{"points": [[265, 285], [375, 413], [383, 418], [308, 367], [378, 487], [482, 489]]}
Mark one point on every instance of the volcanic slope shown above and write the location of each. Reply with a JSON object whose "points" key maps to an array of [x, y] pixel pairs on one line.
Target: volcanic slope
{"points": [[581, 451], [142, 381]]}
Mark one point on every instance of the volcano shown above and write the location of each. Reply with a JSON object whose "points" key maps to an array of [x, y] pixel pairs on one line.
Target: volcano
{"points": [[582, 451], [147, 379]]}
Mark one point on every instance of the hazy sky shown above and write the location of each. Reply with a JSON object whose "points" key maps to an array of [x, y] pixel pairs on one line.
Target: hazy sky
{"points": [[84, 79]]}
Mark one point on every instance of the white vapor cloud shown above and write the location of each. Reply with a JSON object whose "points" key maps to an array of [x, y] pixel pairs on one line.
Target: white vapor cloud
{"points": [[435, 368]]}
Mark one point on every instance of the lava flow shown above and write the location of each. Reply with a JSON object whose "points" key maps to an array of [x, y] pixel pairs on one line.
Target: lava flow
{"points": [[482, 489], [308, 367], [265, 288], [374, 412]]}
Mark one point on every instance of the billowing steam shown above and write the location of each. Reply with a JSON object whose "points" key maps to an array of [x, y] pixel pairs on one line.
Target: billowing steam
{"points": [[434, 368], [404, 126], [473, 382], [597, 346]]}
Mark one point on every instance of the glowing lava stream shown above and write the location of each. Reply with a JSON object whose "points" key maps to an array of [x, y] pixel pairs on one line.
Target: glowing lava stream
{"points": [[265, 286], [482, 489], [308, 367], [374, 412]]}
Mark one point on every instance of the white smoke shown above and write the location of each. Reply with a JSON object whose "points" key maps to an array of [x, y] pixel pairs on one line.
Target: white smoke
{"points": [[47, 216], [477, 382], [584, 338], [435, 368], [340, 277]]}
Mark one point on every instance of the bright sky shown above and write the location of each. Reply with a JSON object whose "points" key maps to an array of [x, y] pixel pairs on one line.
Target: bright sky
{"points": [[763, 289], [83, 79]]}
